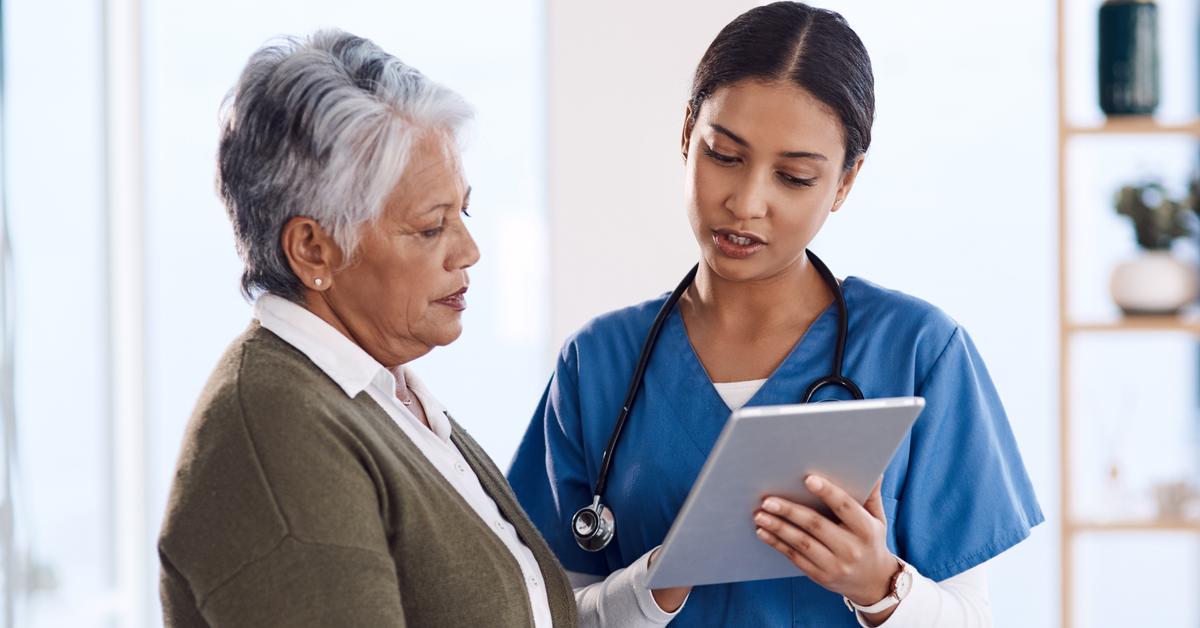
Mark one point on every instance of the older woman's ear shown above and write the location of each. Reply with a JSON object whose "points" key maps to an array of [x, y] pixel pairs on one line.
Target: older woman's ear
{"points": [[311, 252]]}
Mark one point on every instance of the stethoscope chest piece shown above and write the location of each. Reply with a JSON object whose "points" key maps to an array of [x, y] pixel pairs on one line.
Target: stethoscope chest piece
{"points": [[593, 526]]}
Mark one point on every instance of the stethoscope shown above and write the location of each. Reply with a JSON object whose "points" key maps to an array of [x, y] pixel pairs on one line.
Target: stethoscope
{"points": [[594, 525]]}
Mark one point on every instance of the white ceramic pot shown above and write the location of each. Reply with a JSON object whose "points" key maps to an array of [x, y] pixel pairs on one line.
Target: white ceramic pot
{"points": [[1155, 282]]}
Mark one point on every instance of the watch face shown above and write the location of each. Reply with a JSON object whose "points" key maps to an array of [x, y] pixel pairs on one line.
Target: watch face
{"points": [[903, 583]]}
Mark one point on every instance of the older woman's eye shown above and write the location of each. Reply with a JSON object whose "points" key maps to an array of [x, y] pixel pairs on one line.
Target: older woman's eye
{"points": [[432, 233], [719, 158]]}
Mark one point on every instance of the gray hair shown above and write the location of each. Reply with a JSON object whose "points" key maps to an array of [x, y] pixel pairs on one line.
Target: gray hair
{"points": [[319, 127]]}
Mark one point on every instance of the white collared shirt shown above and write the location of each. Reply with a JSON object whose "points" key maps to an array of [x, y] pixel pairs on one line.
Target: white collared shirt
{"points": [[622, 599]]}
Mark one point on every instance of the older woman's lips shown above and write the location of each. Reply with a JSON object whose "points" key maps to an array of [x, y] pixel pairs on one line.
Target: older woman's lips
{"points": [[456, 301]]}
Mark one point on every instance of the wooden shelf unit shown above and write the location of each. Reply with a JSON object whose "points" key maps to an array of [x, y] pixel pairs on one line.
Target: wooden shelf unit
{"points": [[1078, 527], [1189, 323], [1161, 324], [1134, 125]]}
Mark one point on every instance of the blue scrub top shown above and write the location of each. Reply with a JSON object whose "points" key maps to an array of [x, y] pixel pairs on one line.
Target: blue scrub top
{"points": [[955, 495]]}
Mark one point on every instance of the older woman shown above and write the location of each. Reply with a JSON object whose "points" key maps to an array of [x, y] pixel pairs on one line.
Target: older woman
{"points": [[320, 483]]}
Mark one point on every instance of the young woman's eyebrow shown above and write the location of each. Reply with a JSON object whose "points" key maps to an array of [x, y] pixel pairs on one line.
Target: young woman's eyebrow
{"points": [[740, 141]]}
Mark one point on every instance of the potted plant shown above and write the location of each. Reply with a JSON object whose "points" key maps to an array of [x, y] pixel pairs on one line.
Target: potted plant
{"points": [[1157, 281]]}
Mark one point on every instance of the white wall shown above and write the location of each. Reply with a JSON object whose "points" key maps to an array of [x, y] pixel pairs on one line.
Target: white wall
{"points": [[956, 203]]}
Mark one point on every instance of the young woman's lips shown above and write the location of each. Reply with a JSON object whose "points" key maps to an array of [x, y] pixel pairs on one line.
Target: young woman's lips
{"points": [[734, 246], [456, 301]]}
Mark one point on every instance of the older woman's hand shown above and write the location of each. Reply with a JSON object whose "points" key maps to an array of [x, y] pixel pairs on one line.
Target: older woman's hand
{"points": [[850, 557]]}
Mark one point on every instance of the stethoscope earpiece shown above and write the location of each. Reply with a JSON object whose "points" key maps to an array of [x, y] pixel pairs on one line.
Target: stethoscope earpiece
{"points": [[593, 526]]}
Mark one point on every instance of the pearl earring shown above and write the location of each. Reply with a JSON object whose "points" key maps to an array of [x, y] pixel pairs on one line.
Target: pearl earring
{"points": [[317, 281]]}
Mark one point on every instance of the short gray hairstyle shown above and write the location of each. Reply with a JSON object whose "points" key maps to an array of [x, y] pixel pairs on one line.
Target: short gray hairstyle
{"points": [[319, 127]]}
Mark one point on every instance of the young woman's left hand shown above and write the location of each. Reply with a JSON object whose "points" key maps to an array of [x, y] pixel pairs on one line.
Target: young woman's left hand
{"points": [[850, 558]]}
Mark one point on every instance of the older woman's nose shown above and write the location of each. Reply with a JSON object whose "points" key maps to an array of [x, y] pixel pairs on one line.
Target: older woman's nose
{"points": [[465, 254]]}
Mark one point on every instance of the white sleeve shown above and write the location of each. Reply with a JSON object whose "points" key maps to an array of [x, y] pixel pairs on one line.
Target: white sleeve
{"points": [[957, 602], [621, 599]]}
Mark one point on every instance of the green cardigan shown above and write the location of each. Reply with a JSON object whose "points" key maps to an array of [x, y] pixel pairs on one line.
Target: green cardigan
{"points": [[294, 505]]}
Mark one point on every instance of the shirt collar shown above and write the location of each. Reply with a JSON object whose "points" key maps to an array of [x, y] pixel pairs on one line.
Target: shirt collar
{"points": [[439, 419], [346, 363], [339, 357]]}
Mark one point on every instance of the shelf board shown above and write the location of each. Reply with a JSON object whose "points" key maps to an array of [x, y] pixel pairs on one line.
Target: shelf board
{"points": [[1188, 323], [1164, 525], [1136, 125]]}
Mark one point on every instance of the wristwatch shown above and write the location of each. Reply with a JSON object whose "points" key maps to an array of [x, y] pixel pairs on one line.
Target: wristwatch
{"points": [[901, 585]]}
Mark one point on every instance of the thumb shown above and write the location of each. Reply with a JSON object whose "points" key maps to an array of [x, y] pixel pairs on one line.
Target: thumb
{"points": [[874, 503]]}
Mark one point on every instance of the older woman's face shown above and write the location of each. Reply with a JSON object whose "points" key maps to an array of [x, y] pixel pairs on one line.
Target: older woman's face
{"points": [[404, 293]]}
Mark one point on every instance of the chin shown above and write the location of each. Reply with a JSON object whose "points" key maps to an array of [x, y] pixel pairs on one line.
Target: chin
{"points": [[738, 269], [449, 334]]}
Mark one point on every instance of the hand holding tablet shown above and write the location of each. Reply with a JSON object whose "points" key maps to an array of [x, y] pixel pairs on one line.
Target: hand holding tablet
{"points": [[769, 451]]}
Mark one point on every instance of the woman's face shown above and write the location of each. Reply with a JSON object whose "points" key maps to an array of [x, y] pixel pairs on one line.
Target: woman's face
{"points": [[764, 171], [403, 294]]}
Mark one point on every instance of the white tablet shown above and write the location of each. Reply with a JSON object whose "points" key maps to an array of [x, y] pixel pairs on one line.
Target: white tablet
{"points": [[769, 450]]}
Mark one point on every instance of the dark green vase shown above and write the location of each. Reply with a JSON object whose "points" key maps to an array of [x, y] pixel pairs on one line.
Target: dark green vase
{"points": [[1128, 57]]}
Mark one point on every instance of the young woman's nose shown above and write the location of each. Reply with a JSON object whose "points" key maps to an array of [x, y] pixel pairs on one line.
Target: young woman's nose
{"points": [[748, 199]]}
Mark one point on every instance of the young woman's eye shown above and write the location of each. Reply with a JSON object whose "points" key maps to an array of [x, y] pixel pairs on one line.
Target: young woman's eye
{"points": [[797, 181], [718, 157], [465, 212]]}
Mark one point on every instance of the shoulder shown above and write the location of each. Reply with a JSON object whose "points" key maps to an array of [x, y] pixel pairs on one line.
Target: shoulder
{"points": [[264, 405], [261, 390], [619, 332], [284, 406], [218, 473], [261, 379], [272, 368], [896, 307], [269, 435], [908, 320]]}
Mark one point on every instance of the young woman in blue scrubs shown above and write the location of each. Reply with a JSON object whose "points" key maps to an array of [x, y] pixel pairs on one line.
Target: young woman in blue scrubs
{"points": [[774, 137]]}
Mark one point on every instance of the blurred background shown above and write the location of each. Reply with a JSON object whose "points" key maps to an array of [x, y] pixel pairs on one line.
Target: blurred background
{"points": [[1005, 136]]}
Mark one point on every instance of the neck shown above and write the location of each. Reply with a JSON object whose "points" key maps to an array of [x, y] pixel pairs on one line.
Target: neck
{"points": [[401, 384], [319, 305], [790, 297]]}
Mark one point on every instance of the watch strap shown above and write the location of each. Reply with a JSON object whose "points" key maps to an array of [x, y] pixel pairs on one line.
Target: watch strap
{"points": [[891, 599], [887, 602]]}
